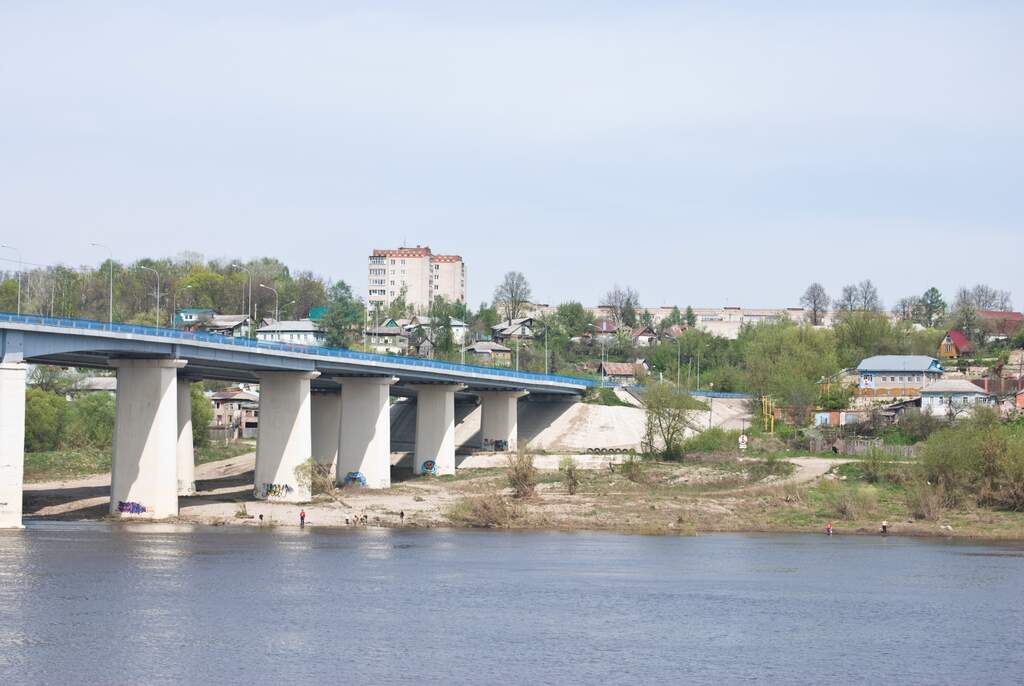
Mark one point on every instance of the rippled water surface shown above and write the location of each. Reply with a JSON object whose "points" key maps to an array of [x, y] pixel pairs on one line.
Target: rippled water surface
{"points": [[154, 604]]}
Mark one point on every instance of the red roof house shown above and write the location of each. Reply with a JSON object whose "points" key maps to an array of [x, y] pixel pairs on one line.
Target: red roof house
{"points": [[1002, 324], [954, 344]]}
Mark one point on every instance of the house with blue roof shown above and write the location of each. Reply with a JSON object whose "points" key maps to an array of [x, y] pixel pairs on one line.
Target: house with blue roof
{"points": [[897, 376]]}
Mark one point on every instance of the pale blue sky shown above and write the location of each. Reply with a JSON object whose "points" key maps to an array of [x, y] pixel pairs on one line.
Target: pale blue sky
{"points": [[703, 153]]}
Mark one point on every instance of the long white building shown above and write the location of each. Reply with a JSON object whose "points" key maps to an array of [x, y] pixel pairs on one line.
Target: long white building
{"points": [[422, 274]]}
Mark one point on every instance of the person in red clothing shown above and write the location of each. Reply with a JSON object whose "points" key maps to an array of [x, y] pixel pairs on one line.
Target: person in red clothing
{"points": [[828, 528], [302, 518]]}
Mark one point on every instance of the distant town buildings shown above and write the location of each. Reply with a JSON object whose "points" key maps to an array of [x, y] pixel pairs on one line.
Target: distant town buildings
{"points": [[897, 376], [417, 274], [298, 331]]}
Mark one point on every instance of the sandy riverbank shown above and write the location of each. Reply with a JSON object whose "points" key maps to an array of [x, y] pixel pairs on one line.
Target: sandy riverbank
{"points": [[668, 498]]}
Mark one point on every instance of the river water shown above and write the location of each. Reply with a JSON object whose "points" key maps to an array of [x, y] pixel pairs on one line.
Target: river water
{"points": [[92, 603]]}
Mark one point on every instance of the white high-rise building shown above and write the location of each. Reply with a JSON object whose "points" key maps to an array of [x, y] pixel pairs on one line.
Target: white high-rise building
{"points": [[423, 275]]}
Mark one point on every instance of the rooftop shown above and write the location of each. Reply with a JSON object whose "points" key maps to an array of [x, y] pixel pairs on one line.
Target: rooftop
{"points": [[900, 363], [953, 386], [293, 325]]}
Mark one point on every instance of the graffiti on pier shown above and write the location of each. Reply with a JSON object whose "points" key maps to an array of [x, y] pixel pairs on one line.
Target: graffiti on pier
{"points": [[429, 467], [129, 507], [273, 490], [355, 478], [495, 444]]}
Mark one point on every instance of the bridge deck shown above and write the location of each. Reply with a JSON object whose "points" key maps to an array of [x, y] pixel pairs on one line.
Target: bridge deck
{"points": [[92, 344]]}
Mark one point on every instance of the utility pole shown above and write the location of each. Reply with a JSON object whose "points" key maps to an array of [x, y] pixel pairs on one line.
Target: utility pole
{"points": [[21, 270], [249, 311], [100, 245], [679, 359], [150, 269]]}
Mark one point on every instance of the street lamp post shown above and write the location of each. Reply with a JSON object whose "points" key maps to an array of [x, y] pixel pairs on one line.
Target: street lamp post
{"points": [[277, 301], [679, 359], [248, 311], [100, 245], [150, 269], [21, 270], [174, 306]]}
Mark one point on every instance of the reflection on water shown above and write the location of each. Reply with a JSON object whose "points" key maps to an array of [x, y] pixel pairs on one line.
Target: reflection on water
{"points": [[163, 604]]}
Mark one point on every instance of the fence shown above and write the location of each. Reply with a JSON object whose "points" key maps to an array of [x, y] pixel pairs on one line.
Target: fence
{"points": [[862, 446], [250, 343]]}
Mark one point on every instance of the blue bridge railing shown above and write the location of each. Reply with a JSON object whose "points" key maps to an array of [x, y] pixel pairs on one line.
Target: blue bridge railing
{"points": [[250, 343]]}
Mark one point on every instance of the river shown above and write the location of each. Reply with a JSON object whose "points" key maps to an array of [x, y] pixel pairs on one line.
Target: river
{"points": [[96, 603]]}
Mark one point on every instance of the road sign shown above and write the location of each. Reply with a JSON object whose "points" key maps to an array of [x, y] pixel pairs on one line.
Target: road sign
{"points": [[743, 441]]}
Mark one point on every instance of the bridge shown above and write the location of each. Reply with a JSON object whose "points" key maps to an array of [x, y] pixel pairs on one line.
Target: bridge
{"points": [[328, 404]]}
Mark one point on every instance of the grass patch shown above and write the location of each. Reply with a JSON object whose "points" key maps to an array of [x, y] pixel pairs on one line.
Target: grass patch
{"points": [[223, 451], [54, 465], [604, 396]]}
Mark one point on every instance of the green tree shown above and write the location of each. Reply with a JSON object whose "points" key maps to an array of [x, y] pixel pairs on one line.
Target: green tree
{"points": [[933, 308], [788, 361], [486, 317], [9, 295], [863, 333], [669, 414], [573, 319], [45, 414], [90, 421], [202, 415], [343, 318], [628, 314], [691, 317], [816, 302], [439, 332], [399, 308]]}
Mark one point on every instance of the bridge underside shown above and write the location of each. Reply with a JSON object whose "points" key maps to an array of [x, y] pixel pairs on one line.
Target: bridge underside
{"points": [[323, 405]]}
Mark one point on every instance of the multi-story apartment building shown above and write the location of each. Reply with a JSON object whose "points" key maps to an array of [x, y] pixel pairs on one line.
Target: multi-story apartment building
{"points": [[422, 274]]}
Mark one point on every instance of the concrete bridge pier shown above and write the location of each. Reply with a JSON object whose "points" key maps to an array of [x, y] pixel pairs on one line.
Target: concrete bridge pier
{"points": [[364, 443], [143, 476], [499, 420], [285, 440], [186, 450], [435, 428], [325, 413], [12, 442]]}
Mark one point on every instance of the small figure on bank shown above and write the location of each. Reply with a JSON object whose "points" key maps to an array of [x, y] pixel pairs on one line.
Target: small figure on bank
{"points": [[261, 519], [346, 521], [401, 516], [885, 527], [302, 518], [835, 450], [365, 519], [828, 528]]}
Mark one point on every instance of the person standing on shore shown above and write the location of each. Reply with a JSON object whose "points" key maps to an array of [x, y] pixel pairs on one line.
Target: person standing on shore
{"points": [[302, 519], [828, 528], [885, 527]]}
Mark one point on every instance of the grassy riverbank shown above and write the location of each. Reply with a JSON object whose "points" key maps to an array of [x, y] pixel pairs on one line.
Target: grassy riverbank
{"points": [[58, 465]]}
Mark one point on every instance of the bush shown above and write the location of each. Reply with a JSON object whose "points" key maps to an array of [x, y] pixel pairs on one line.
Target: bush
{"points": [[316, 476], [633, 470], [202, 415], [45, 414], [875, 466], [856, 502], [522, 474], [90, 422], [713, 440], [484, 511], [570, 474], [924, 501]]}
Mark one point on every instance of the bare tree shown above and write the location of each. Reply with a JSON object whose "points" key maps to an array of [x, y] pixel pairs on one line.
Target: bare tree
{"points": [[816, 301], [512, 294], [984, 297], [622, 300], [860, 297], [908, 309]]}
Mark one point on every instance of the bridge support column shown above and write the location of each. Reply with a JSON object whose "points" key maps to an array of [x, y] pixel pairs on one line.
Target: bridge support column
{"points": [[12, 443], [364, 445], [143, 477], [435, 428], [499, 420], [325, 411], [186, 450], [285, 440]]}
